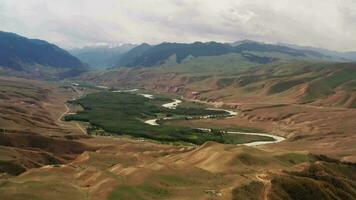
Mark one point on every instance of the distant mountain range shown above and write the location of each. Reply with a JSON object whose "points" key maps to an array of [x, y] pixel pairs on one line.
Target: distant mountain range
{"points": [[351, 56], [39, 58], [101, 57], [33, 57], [146, 55]]}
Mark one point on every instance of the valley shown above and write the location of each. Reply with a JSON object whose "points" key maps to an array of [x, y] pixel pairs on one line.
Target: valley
{"points": [[305, 101], [109, 166], [202, 120], [128, 113]]}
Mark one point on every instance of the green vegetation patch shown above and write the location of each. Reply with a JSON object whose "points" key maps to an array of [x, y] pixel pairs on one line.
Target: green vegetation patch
{"points": [[320, 180], [125, 113], [249, 191], [295, 158], [330, 78], [340, 77], [252, 159], [224, 82], [232, 138], [316, 90], [210, 65], [285, 85], [351, 86]]}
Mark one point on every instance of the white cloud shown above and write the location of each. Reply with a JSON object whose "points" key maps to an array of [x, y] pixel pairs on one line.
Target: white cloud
{"points": [[322, 23]]}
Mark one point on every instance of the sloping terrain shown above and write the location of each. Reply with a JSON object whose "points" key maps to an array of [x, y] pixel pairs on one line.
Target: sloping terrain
{"points": [[32, 134], [323, 179], [317, 180], [133, 54], [302, 82], [310, 102], [42, 157], [32, 106], [126, 169], [35, 58]]}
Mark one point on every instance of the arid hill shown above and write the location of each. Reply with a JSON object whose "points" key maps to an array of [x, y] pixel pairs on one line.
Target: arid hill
{"points": [[44, 157], [310, 102]]}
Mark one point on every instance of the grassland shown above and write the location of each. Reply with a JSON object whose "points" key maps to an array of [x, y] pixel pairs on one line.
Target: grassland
{"points": [[125, 113]]}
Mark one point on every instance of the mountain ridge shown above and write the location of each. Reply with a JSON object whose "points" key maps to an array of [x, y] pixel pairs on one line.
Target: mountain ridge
{"points": [[346, 56], [24, 56], [155, 55]]}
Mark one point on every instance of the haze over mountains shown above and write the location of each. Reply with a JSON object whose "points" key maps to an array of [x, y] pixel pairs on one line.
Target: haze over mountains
{"points": [[351, 55], [167, 53], [22, 54], [159, 54], [101, 57]]}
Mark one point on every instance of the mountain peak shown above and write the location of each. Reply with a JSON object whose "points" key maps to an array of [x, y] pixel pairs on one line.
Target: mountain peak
{"points": [[245, 42]]}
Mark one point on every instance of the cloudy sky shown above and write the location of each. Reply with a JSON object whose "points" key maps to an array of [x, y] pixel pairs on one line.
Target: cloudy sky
{"points": [[76, 23]]}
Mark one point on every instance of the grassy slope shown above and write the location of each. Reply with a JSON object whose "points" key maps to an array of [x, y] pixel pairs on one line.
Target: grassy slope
{"points": [[230, 76], [322, 180], [319, 180], [29, 111], [207, 66]]}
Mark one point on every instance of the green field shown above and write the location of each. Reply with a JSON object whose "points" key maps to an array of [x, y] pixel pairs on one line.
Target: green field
{"points": [[125, 114]]}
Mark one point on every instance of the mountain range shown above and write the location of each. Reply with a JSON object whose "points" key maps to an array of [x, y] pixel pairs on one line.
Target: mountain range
{"points": [[153, 55], [297, 104], [38, 58], [167, 53], [351, 55], [23, 56]]}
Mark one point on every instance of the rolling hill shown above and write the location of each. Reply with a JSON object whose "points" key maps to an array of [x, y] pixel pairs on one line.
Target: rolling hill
{"points": [[311, 102], [36, 58], [234, 78], [43, 157]]}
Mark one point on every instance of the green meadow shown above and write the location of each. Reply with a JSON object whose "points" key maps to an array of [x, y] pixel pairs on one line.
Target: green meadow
{"points": [[126, 113]]}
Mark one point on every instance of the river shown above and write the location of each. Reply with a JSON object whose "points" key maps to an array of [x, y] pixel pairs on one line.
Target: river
{"points": [[176, 102]]}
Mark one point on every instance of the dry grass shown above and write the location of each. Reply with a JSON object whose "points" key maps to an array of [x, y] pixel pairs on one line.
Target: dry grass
{"points": [[46, 160]]}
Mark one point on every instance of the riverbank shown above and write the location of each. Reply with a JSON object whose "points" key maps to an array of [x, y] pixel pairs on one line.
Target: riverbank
{"points": [[176, 102]]}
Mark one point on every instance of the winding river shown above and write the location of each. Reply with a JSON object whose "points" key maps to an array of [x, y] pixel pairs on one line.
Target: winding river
{"points": [[176, 102], [172, 105]]}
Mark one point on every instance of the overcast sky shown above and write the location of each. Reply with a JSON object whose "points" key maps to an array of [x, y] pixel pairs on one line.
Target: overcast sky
{"points": [[76, 23]]}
